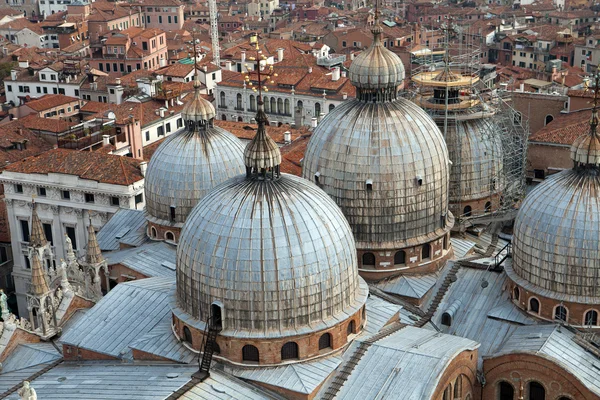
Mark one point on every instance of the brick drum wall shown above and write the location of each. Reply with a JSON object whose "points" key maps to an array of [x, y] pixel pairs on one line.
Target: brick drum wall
{"points": [[462, 370], [161, 231], [514, 368]]}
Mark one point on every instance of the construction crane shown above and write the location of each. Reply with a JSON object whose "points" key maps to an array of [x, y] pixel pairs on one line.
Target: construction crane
{"points": [[214, 32]]}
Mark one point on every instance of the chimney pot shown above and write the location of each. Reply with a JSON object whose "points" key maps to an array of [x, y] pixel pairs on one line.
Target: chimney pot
{"points": [[105, 140], [143, 167]]}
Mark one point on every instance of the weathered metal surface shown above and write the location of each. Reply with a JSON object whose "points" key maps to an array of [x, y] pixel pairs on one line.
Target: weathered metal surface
{"points": [[409, 286], [126, 313], [28, 355], [126, 226], [555, 241], [299, 377], [219, 386], [110, 380], [277, 254], [160, 341], [150, 259], [185, 167], [397, 148], [409, 363]]}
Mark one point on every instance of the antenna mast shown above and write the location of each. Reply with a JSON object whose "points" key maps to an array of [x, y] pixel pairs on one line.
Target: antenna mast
{"points": [[214, 32]]}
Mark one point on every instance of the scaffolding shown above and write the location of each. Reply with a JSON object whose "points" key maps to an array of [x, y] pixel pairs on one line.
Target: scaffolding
{"points": [[486, 137]]}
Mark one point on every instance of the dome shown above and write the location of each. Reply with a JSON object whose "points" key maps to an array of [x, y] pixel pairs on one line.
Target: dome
{"points": [[189, 163], [262, 152], [586, 150], [277, 254], [198, 109], [386, 165], [476, 154], [555, 240], [377, 67]]}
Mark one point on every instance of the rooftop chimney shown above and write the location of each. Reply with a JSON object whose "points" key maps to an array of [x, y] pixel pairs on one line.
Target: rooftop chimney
{"points": [[24, 64], [243, 55], [343, 74], [143, 167], [118, 81], [344, 95], [13, 74], [280, 54], [310, 70], [161, 112], [335, 74], [287, 137], [105, 140], [313, 122]]}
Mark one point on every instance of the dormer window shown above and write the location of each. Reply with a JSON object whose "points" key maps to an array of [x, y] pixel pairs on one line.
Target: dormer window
{"points": [[317, 176], [369, 185]]}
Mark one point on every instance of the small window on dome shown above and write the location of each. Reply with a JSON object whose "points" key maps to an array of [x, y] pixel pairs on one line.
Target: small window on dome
{"points": [[250, 353], [368, 259], [153, 232], [172, 208], [289, 351], [419, 180], [516, 293], [325, 341], [170, 237], [317, 176], [560, 313], [369, 184], [534, 305]]}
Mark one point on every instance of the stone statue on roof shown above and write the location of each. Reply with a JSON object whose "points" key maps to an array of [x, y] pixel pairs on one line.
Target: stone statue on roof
{"points": [[4, 305], [27, 392]]}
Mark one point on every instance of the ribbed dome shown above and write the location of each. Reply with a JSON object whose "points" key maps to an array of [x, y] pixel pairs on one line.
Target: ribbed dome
{"points": [[476, 153], [262, 152], [278, 255], [556, 242], [586, 150], [386, 165], [377, 67], [185, 167], [198, 109]]}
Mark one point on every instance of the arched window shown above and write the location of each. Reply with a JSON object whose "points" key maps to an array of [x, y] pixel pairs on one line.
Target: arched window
{"points": [[549, 118], [187, 335], [458, 387], [289, 351], [467, 211], [426, 251], [351, 328], [279, 106], [173, 213], [317, 109], [331, 107], [153, 232], [448, 392], [217, 315], [252, 103], [238, 103], [223, 117], [488, 206], [240, 119], [506, 391], [368, 259], [560, 313], [169, 236], [446, 241], [534, 305], [516, 293], [273, 105], [249, 353], [591, 318], [536, 391], [300, 105], [267, 104], [446, 319], [400, 257], [222, 100], [325, 341], [286, 106]]}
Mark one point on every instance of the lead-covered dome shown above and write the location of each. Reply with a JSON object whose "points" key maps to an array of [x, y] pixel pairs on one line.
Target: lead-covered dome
{"points": [[556, 243], [377, 67], [189, 163], [277, 254]]}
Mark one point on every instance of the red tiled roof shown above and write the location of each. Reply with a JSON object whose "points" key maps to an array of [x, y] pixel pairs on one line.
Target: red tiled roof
{"points": [[35, 123], [564, 129], [50, 101], [104, 168]]}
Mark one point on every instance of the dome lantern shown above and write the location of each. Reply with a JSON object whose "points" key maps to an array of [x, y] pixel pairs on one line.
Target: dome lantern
{"points": [[199, 113]]}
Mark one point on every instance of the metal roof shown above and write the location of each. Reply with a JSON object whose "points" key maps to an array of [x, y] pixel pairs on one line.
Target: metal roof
{"points": [[409, 286], [379, 313], [461, 247], [556, 343], [409, 361], [398, 148], [151, 259], [278, 254], [10, 379], [109, 380], [160, 341], [126, 313], [302, 377], [219, 386], [125, 226], [29, 355]]}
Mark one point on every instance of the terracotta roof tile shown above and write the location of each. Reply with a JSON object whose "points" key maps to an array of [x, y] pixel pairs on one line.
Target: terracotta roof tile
{"points": [[50, 101], [36, 123], [104, 168], [564, 129]]}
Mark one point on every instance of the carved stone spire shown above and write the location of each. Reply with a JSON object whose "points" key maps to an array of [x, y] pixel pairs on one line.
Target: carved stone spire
{"points": [[39, 284], [37, 237], [93, 254]]}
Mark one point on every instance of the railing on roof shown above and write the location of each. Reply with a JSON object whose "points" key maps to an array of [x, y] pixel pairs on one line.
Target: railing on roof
{"points": [[81, 139], [331, 60]]}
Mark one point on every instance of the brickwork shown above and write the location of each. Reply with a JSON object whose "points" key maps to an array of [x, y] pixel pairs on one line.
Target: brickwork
{"points": [[77, 303], [270, 349], [124, 274], [575, 311], [142, 355], [74, 353], [162, 232], [461, 371], [478, 206], [20, 336], [542, 157], [535, 108], [414, 263], [521, 367]]}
